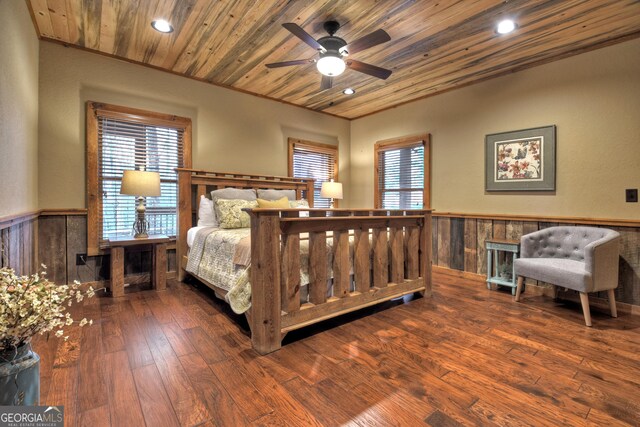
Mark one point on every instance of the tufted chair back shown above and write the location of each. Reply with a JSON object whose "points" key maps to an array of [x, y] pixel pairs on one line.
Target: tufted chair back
{"points": [[566, 242]]}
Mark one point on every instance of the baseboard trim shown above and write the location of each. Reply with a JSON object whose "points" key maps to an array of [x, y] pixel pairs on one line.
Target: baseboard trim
{"points": [[600, 303]]}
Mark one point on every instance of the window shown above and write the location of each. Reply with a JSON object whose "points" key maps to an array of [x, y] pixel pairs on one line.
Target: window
{"points": [[314, 160], [402, 173], [119, 139]]}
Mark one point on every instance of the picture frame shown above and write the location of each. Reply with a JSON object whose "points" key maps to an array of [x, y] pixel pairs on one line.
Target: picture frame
{"points": [[521, 160]]}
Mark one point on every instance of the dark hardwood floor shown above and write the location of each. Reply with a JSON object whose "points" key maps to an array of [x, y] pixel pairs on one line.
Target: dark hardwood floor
{"points": [[466, 356]]}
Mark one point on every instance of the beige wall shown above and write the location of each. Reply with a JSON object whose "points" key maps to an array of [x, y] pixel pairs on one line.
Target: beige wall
{"points": [[593, 98], [232, 131], [18, 110]]}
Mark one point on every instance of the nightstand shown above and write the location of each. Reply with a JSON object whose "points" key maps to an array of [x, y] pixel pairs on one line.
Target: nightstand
{"points": [[158, 264], [501, 273]]}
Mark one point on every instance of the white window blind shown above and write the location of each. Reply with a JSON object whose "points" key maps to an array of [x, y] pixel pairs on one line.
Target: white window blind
{"points": [[317, 163], [127, 145], [401, 177]]}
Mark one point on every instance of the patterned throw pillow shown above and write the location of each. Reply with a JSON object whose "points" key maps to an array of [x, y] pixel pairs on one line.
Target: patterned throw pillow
{"points": [[230, 214], [298, 203]]}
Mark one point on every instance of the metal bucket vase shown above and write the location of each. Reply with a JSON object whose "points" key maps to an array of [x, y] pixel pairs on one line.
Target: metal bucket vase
{"points": [[19, 377]]}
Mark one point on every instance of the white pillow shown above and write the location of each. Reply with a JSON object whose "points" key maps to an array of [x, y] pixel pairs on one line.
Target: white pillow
{"points": [[205, 213]]}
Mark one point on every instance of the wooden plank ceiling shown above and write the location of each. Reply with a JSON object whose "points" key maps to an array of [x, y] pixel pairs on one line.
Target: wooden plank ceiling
{"points": [[436, 45]]}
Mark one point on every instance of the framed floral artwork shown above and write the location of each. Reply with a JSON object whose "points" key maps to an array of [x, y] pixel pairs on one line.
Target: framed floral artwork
{"points": [[521, 160]]}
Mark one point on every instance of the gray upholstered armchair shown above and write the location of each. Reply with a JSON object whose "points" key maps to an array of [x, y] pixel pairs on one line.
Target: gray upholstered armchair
{"points": [[584, 259]]}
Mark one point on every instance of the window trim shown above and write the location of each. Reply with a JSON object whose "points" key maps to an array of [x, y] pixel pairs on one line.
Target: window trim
{"points": [[126, 113], [316, 147], [402, 142]]}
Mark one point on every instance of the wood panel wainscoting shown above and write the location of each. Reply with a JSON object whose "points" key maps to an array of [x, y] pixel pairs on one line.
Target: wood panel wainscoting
{"points": [[458, 244], [63, 235], [18, 242]]}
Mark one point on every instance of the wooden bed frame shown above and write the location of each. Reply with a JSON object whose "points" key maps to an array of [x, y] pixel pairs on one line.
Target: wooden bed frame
{"points": [[401, 246]]}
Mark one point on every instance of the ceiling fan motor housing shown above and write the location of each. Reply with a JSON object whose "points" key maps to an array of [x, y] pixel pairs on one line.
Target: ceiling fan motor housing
{"points": [[332, 44]]}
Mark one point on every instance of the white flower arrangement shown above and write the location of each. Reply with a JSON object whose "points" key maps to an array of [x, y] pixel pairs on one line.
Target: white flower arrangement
{"points": [[32, 305]]}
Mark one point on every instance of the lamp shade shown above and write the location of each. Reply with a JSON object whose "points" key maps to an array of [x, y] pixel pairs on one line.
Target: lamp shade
{"points": [[331, 190], [140, 183]]}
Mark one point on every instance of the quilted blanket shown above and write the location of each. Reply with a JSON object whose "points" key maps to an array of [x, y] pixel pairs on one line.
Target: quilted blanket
{"points": [[222, 258]]}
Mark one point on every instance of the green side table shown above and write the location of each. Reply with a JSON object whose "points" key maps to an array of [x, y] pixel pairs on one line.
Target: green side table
{"points": [[500, 272]]}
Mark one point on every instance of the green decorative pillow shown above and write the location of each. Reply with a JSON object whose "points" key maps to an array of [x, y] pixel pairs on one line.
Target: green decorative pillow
{"points": [[230, 215]]}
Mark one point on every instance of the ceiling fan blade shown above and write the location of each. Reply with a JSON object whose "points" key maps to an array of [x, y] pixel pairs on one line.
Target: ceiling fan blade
{"points": [[372, 70], [365, 42], [326, 83], [297, 31], [289, 63]]}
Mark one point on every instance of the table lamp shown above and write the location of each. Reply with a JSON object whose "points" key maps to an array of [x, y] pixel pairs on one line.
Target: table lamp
{"points": [[142, 184], [331, 190]]}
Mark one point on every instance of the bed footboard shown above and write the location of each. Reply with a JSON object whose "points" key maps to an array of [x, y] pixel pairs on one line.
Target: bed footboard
{"points": [[391, 258]]}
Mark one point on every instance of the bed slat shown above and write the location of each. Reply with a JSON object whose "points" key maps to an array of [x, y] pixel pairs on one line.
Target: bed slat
{"points": [[291, 273], [340, 264], [413, 256], [380, 258], [317, 265], [361, 258], [396, 238]]}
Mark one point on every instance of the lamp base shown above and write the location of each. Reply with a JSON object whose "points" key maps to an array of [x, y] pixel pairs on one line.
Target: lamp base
{"points": [[141, 225], [140, 228]]}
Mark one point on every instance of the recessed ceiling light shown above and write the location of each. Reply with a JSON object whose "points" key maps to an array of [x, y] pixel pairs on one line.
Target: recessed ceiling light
{"points": [[349, 91], [505, 26], [162, 26]]}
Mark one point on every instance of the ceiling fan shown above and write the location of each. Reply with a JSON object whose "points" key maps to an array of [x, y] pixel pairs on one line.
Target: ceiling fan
{"points": [[333, 51]]}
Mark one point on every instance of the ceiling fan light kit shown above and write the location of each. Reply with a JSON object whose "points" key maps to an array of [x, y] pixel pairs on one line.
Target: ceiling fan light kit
{"points": [[330, 65], [332, 50]]}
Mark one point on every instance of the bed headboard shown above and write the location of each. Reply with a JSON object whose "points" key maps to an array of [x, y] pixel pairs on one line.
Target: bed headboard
{"points": [[193, 183]]}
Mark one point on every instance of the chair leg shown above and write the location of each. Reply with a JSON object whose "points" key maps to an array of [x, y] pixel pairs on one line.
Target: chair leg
{"points": [[612, 302], [556, 289], [584, 299], [519, 287]]}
